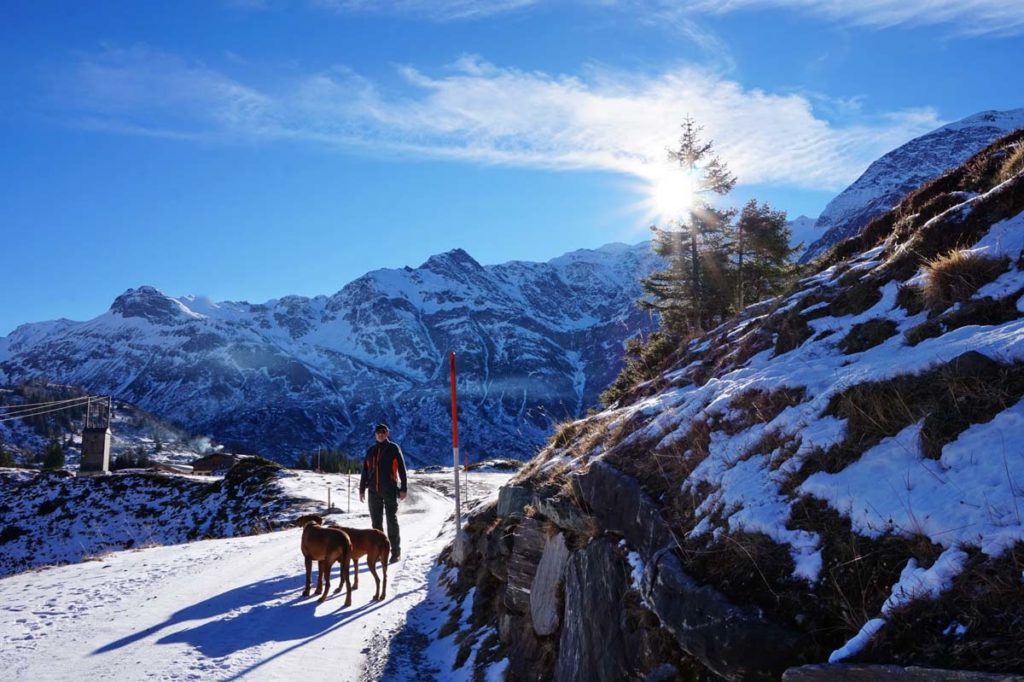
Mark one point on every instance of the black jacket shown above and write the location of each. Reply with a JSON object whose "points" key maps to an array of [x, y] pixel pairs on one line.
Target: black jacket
{"points": [[383, 469]]}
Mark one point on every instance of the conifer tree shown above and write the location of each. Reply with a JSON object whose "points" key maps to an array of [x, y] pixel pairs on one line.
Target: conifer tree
{"points": [[692, 292], [6, 458], [53, 455], [763, 254]]}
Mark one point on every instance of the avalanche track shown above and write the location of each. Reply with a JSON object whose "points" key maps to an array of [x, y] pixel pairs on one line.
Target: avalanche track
{"points": [[224, 609]]}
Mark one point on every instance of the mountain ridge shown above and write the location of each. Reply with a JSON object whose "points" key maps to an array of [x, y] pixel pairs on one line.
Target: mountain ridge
{"points": [[535, 343]]}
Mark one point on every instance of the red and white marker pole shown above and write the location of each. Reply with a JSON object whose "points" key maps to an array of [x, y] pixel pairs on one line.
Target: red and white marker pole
{"points": [[455, 460]]}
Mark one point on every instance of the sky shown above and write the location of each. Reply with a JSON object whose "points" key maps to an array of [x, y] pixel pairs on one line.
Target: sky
{"points": [[253, 149]]}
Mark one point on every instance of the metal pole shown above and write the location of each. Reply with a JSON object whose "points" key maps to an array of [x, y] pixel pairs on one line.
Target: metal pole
{"points": [[350, 491], [455, 460]]}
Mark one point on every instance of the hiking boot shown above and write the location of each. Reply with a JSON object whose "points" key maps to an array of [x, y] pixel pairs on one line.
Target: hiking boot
{"points": [[395, 556]]}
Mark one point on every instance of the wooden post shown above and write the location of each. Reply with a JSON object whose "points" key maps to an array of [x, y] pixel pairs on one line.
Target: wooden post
{"points": [[455, 460]]}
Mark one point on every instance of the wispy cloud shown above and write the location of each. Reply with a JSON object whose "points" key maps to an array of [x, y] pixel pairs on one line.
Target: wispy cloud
{"points": [[436, 10], [972, 17], [476, 112]]}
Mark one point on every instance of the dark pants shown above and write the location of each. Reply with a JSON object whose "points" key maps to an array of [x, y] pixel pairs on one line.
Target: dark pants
{"points": [[378, 505]]}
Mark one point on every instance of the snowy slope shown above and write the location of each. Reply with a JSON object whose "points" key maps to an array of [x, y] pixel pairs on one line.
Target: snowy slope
{"points": [[536, 343], [232, 608], [845, 458], [904, 169]]}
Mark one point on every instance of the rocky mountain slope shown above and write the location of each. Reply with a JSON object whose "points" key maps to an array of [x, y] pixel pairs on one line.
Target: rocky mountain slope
{"points": [[535, 345], [835, 475], [903, 170]]}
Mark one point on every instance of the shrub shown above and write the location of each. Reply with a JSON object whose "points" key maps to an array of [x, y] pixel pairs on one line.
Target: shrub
{"points": [[644, 361], [955, 277]]}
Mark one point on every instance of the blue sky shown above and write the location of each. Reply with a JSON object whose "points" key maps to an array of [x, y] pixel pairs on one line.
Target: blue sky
{"points": [[250, 149]]}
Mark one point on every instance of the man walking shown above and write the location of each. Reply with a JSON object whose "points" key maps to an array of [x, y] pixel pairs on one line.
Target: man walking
{"points": [[384, 475]]}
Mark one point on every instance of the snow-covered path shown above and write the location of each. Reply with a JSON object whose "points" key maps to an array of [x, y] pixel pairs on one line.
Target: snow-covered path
{"points": [[218, 609]]}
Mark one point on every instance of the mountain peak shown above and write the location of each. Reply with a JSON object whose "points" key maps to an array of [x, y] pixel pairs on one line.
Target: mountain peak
{"points": [[151, 304], [454, 258]]}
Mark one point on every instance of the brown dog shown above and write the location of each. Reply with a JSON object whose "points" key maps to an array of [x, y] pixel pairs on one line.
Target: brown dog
{"points": [[375, 546], [325, 546]]}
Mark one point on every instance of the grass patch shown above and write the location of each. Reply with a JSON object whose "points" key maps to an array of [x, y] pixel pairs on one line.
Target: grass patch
{"points": [[856, 299], [910, 298], [1014, 162], [985, 312], [758, 406], [857, 572], [867, 335], [978, 624], [791, 330], [955, 276], [970, 389]]}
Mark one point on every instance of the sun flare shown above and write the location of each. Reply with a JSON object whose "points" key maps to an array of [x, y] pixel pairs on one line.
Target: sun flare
{"points": [[670, 196]]}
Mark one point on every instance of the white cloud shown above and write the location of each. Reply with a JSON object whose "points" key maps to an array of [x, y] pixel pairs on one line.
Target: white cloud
{"points": [[477, 112]]}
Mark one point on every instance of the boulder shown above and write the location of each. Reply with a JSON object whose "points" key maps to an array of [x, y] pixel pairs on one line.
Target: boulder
{"points": [[592, 646], [735, 642], [621, 506], [527, 548], [545, 605], [565, 514], [512, 499], [889, 673]]}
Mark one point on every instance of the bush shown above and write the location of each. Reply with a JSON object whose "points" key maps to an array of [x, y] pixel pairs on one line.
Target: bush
{"points": [[644, 361], [955, 277]]}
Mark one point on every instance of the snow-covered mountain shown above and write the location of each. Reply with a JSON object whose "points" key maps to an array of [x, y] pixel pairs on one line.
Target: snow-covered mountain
{"points": [[802, 231], [535, 344], [903, 170]]}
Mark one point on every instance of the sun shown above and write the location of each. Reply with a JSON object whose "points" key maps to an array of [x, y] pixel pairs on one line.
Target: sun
{"points": [[670, 195]]}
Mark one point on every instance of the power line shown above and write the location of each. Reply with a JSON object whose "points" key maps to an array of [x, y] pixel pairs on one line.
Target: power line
{"points": [[21, 407], [35, 412]]}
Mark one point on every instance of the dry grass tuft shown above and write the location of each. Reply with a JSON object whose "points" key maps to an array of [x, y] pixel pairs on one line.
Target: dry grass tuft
{"points": [[910, 298], [1014, 162], [954, 277]]}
